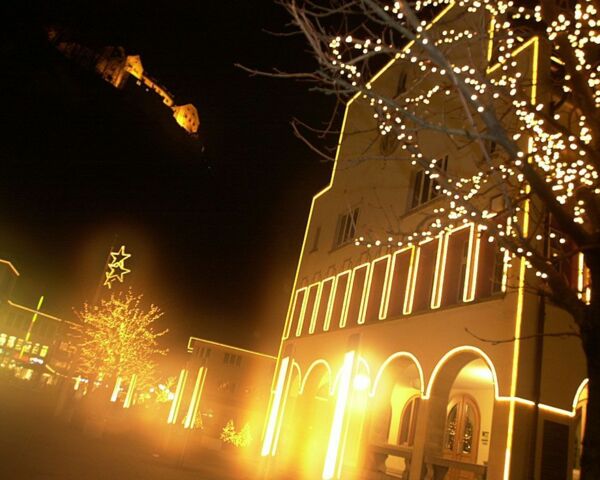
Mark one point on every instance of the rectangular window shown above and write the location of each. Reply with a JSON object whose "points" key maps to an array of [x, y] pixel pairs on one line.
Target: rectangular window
{"points": [[456, 267], [377, 289], [323, 307], [399, 282], [315, 243], [356, 301], [306, 315], [339, 301], [425, 275], [424, 187], [346, 228], [226, 358], [297, 309], [497, 272]]}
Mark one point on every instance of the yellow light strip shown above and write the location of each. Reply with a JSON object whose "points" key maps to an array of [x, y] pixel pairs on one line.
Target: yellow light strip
{"points": [[174, 411], [11, 266], [293, 307], [457, 350], [559, 411], [582, 385], [364, 301], [231, 347], [390, 282], [532, 40], [409, 45], [129, 397], [273, 414], [342, 321], [440, 268], [313, 318], [411, 280], [303, 311], [580, 273], [343, 390], [115, 392], [390, 359], [327, 319], [474, 270], [31, 310], [313, 365], [466, 285], [490, 50], [190, 418], [281, 415], [383, 302]]}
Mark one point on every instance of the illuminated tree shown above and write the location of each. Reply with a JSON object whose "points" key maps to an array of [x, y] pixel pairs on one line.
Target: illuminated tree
{"points": [[243, 438], [516, 87], [119, 339]]}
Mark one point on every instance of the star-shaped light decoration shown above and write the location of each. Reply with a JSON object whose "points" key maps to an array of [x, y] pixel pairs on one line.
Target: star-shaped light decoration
{"points": [[116, 268]]}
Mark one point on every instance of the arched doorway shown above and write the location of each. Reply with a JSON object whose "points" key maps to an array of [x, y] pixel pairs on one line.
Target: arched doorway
{"points": [[461, 404], [395, 407], [461, 435]]}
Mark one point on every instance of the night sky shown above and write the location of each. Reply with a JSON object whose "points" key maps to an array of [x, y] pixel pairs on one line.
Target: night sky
{"points": [[215, 232]]}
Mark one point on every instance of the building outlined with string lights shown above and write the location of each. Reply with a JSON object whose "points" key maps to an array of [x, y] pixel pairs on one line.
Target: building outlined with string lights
{"points": [[388, 364]]}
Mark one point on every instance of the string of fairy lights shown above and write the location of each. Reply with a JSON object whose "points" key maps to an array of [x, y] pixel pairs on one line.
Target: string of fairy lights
{"points": [[555, 140]]}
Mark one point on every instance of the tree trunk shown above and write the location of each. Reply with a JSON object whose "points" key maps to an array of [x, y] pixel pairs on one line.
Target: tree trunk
{"points": [[590, 459]]}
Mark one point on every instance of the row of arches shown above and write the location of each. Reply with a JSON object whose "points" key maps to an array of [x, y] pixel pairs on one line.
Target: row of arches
{"points": [[387, 410]]}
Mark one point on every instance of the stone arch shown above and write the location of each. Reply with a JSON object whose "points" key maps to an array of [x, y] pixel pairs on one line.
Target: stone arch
{"points": [[316, 368], [465, 377]]}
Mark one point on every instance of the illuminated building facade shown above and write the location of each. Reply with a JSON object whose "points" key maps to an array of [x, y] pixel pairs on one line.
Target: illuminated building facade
{"points": [[384, 368], [33, 345], [221, 383]]}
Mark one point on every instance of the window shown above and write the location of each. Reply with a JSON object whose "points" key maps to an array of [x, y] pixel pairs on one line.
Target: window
{"points": [[346, 228], [424, 188], [408, 424], [226, 358], [315, 244], [498, 272]]}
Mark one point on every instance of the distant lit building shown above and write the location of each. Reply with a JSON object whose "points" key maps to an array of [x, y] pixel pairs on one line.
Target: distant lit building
{"points": [[221, 383], [34, 345], [380, 373], [115, 66]]}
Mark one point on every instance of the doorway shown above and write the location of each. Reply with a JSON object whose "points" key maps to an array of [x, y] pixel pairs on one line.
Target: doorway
{"points": [[461, 434]]}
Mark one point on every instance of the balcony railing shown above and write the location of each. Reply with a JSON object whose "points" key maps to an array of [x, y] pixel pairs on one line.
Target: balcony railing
{"points": [[378, 453], [436, 468]]}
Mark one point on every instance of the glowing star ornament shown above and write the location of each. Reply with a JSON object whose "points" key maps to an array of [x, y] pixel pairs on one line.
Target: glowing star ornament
{"points": [[116, 268]]}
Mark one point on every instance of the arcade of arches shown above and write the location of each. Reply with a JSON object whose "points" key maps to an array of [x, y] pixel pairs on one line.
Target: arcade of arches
{"points": [[398, 425]]}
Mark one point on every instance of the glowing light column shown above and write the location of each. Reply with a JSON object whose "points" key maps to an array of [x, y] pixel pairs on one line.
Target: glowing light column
{"points": [[268, 444], [333, 457], [177, 398], [115, 393], [130, 390], [190, 418]]}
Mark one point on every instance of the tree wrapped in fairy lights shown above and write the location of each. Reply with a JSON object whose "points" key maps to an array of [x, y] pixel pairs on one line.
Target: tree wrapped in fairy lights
{"points": [[515, 86], [119, 339]]}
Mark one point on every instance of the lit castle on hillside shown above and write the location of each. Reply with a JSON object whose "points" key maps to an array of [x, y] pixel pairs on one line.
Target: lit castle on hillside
{"points": [[115, 66]]}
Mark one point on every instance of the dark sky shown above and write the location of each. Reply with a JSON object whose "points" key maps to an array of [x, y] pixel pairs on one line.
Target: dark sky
{"points": [[215, 235]]}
